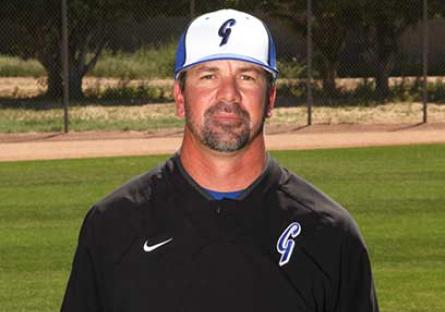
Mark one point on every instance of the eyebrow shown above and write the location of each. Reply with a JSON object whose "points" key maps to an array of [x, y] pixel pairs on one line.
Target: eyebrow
{"points": [[206, 68], [250, 68]]}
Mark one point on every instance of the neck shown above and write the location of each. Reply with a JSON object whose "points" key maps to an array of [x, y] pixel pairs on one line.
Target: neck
{"points": [[224, 172]]}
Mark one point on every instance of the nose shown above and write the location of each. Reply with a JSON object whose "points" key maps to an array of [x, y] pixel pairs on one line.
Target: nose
{"points": [[228, 90]]}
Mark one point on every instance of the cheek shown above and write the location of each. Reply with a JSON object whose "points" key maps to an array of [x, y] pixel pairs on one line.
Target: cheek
{"points": [[258, 106], [200, 98], [195, 107]]}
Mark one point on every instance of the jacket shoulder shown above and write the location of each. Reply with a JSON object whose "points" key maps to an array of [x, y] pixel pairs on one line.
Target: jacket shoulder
{"points": [[304, 199], [330, 243], [135, 193], [116, 220]]}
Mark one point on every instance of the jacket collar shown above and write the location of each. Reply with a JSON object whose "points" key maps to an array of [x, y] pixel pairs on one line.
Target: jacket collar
{"points": [[191, 191]]}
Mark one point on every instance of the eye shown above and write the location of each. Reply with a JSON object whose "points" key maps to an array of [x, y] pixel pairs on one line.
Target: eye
{"points": [[207, 77], [247, 77]]}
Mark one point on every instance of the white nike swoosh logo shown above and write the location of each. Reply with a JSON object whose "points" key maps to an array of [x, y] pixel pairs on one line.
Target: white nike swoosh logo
{"points": [[148, 248]]}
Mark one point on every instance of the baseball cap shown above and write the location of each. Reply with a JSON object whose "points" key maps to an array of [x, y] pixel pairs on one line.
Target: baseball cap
{"points": [[226, 35]]}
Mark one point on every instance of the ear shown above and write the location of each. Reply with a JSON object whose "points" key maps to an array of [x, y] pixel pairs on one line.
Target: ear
{"points": [[271, 100], [179, 100]]}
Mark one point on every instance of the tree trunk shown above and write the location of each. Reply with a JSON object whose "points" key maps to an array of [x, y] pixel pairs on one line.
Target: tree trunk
{"points": [[75, 85], [385, 49], [329, 75], [382, 81], [383, 69], [55, 83]]}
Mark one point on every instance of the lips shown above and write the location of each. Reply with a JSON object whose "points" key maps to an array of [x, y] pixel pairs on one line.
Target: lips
{"points": [[227, 118], [229, 114]]}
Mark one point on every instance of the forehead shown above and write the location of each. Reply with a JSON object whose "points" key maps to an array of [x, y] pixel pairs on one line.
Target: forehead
{"points": [[227, 65]]}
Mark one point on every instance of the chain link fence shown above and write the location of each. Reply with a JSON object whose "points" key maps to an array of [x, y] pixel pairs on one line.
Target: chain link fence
{"points": [[331, 53]]}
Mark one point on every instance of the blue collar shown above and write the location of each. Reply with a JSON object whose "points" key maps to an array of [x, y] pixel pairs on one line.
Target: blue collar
{"points": [[222, 195]]}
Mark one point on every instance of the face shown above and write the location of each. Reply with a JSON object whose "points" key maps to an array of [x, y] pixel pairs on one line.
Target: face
{"points": [[225, 103]]}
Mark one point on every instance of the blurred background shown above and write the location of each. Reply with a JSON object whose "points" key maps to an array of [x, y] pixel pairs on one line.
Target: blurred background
{"points": [[119, 56]]}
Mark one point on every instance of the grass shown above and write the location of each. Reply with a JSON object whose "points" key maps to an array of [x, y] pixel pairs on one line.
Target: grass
{"points": [[162, 116], [11, 66], [93, 117], [395, 194], [147, 62]]}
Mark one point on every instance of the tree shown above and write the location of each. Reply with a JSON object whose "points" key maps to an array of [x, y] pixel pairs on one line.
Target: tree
{"points": [[37, 24], [38, 35], [331, 21], [182, 7], [383, 23]]}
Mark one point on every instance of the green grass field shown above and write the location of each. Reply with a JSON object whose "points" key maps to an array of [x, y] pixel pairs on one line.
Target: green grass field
{"points": [[395, 193]]}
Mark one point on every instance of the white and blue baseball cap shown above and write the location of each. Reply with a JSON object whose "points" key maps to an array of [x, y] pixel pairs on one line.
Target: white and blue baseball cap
{"points": [[226, 35]]}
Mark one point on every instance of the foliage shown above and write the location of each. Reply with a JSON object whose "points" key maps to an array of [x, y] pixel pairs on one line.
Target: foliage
{"points": [[436, 91], [15, 67], [38, 27], [147, 62], [291, 69], [363, 93], [382, 24], [331, 21], [127, 91], [37, 24], [182, 7], [378, 26]]}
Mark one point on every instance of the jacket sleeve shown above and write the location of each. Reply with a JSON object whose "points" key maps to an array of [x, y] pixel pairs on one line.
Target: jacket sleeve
{"points": [[356, 289], [82, 294]]}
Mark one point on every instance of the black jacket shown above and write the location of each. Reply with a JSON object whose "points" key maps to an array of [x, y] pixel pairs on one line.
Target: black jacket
{"points": [[160, 244]]}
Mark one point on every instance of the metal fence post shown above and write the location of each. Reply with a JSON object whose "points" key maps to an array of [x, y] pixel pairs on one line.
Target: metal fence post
{"points": [[425, 52], [192, 9], [309, 63], [64, 57]]}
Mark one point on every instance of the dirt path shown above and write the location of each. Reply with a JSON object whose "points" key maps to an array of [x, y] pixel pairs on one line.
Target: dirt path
{"points": [[16, 147]]}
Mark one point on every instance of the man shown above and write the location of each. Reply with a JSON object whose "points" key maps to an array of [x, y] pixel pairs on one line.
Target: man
{"points": [[221, 226]]}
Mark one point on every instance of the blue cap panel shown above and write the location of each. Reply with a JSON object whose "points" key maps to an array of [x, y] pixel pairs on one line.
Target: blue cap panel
{"points": [[180, 53], [272, 57]]}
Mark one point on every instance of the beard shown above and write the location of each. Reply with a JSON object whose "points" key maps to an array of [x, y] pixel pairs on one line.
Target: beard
{"points": [[222, 136]]}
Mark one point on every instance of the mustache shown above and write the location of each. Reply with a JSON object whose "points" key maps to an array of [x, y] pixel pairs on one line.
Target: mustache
{"points": [[225, 107]]}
